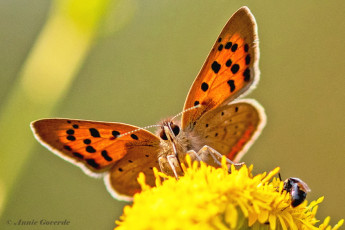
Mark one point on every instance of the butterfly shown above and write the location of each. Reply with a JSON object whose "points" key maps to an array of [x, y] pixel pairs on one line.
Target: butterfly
{"points": [[214, 121]]}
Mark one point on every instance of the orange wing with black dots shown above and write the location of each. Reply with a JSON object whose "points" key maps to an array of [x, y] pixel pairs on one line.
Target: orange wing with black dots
{"points": [[95, 146], [230, 69]]}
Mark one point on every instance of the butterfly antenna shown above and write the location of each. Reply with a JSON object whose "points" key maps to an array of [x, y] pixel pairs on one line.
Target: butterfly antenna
{"points": [[136, 130], [189, 109], [150, 126]]}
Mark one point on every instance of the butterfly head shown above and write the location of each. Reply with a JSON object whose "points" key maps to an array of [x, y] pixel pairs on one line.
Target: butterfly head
{"points": [[169, 130]]}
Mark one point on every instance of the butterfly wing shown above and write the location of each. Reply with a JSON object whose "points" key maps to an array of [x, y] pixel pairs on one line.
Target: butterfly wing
{"points": [[230, 69], [231, 129], [98, 147], [121, 181]]}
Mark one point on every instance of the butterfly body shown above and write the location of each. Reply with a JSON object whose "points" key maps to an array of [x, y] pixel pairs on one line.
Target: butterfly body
{"points": [[214, 122]]}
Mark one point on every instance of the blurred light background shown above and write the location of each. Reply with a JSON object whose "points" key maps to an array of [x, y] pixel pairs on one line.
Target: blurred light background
{"points": [[133, 61]]}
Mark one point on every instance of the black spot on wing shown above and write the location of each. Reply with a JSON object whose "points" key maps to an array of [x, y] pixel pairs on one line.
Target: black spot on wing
{"points": [[70, 131], [115, 133], [92, 163], [231, 83], [94, 132], [247, 59], [246, 48], [215, 67], [70, 138], [87, 141], [234, 47], [90, 149], [78, 155], [204, 86], [135, 137], [106, 156], [234, 69], [228, 63], [228, 45], [246, 74]]}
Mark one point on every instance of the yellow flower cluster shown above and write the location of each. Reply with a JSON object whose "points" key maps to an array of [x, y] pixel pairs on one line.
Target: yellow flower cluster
{"points": [[211, 198]]}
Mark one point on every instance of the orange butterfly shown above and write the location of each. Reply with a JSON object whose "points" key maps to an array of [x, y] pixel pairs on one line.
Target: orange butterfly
{"points": [[213, 123]]}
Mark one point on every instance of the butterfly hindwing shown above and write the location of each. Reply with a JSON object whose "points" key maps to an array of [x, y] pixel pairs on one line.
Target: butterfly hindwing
{"points": [[229, 70], [93, 146], [231, 129], [122, 178]]}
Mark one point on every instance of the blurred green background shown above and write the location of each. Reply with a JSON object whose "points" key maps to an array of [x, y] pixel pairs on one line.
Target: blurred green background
{"points": [[114, 60]]}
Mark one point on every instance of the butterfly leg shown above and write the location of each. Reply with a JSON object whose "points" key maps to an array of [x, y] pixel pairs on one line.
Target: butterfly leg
{"points": [[170, 165], [207, 156], [175, 165], [212, 157], [194, 155]]}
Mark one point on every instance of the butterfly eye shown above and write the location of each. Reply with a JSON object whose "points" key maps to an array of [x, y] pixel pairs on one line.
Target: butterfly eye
{"points": [[163, 135], [175, 129]]}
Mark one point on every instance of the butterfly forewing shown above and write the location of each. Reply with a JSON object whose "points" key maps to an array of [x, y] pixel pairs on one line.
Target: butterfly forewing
{"points": [[94, 146], [232, 128], [230, 69]]}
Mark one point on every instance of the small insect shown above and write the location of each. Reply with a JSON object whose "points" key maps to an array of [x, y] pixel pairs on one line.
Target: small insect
{"points": [[298, 190], [214, 121]]}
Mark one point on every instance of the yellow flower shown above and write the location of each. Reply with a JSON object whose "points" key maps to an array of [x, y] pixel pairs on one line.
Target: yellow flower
{"points": [[211, 198]]}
